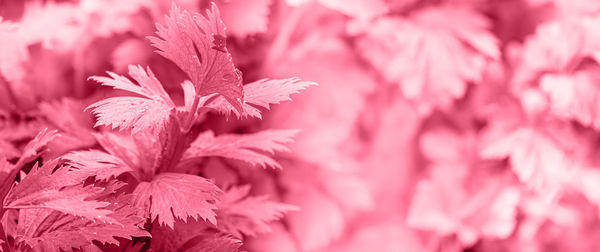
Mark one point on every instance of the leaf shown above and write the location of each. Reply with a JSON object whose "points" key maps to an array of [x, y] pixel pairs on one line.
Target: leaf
{"points": [[31, 151], [557, 47], [537, 157], [52, 230], [448, 203], [149, 86], [267, 91], [97, 163], [574, 96], [240, 214], [433, 54], [196, 44], [61, 190], [172, 196], [140, 114], [250, 148], [262, 93]]}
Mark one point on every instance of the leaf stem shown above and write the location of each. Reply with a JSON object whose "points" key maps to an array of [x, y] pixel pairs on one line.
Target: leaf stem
{"points": [[188, 122]]}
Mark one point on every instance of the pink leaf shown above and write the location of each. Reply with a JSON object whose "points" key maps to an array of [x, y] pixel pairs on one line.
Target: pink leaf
{"points": [[445, 205], [52, 230], [97, 163], [140, 114], [148, 85], [574, 96], [61, 190], [266, 91], [538, 158], [250, 148], [196, 44], [433, 54], [172, 196], [262, 93]]}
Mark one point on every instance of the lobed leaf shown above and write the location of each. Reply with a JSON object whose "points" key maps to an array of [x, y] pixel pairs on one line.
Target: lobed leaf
{"points": [[136, 113], [172, 196], [250, 148], [196, 44], [60, 190], [97, 163], [51, 230], [433, 54], [139, 114], [262, 93]]}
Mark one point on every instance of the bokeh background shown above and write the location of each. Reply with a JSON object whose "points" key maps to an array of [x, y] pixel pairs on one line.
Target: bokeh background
{"points": [[437, 125]]}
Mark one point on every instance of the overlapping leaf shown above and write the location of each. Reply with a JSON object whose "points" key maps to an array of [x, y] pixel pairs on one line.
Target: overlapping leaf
{"points": [[97, 163], [262, 93], [139, 114], [250, 148], [433, 54], [62, 190], [50, 230], [441, 205], [461, 196], [31, 151], [538, 158], [172, 196]]}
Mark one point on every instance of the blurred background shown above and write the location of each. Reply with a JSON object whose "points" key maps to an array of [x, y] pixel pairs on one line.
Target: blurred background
{"points": [[437, 125]]}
